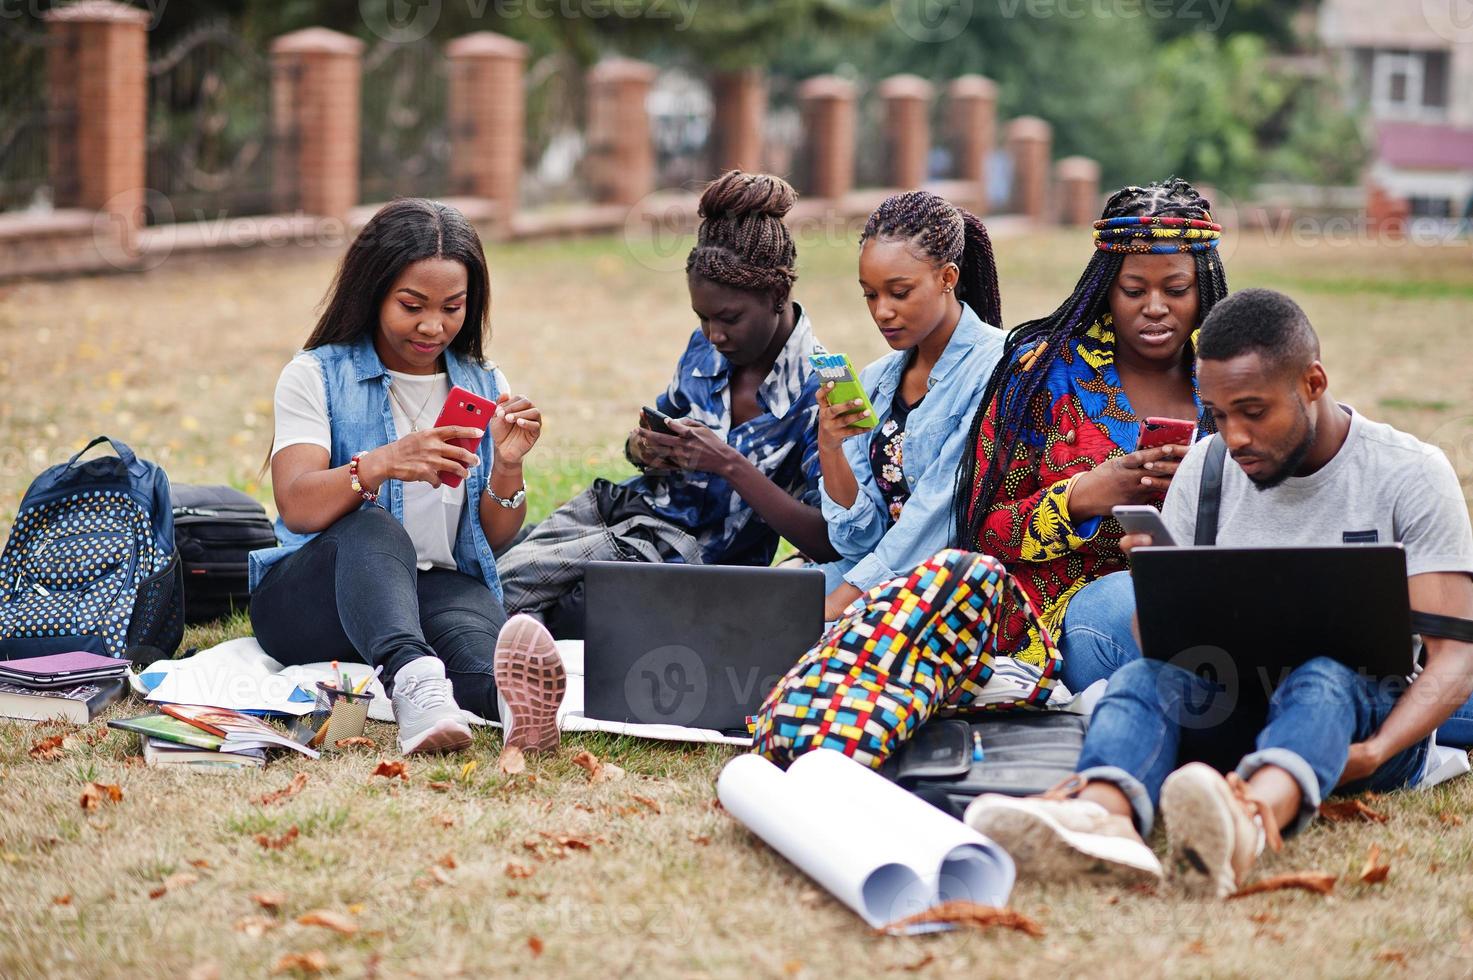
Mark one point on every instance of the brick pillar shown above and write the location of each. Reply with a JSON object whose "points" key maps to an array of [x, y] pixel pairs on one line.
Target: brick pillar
{"points": [[907, 101], [1386, 214], [621, 151], [97, 81], [740, 99], [316, 75], [828, 107], [1030, 144], [971, 122], [488, 115], [1077, 187]]}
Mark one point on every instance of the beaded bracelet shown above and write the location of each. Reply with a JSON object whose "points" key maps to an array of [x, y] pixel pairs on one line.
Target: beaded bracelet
{"points": [[358, 488]]}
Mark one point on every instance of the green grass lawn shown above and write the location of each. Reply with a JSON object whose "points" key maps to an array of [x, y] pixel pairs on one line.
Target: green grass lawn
{"points": [[181, 363]]}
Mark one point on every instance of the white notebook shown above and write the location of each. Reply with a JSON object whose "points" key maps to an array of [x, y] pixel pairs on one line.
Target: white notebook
{"points": [[881, 851]]}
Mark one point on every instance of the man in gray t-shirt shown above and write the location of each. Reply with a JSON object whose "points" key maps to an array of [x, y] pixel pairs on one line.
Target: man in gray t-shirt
{"points": [[1307, 471]]}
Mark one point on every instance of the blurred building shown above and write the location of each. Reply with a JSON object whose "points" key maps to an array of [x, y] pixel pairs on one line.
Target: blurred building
{"points": [[1409, 66]]}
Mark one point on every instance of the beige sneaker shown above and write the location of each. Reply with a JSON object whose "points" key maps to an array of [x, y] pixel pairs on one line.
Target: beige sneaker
{"points": [[530, 684], [1061, 839], [1214, 829]]}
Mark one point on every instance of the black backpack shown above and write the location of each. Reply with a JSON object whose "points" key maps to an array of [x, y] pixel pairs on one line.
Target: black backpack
{"points": [[215, 528]]}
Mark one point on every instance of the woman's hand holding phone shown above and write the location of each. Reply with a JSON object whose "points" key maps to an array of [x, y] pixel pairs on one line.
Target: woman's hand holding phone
{"points": [[837, 422], [420, 457], [1141, 477]]}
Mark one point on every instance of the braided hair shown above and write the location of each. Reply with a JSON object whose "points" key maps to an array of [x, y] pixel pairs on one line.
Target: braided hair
{"points": [[1014, 389], [742, 241], [943, 233]]}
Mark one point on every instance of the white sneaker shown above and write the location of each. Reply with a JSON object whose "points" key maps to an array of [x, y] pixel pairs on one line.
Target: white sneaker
{"points": [[1214, 829], [424, 706], [530, 683], [1065, 839]]}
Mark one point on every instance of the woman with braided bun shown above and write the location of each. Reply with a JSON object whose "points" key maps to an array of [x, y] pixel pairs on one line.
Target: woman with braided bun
{"points": [[1030, 602], [739, 464], [927, 273]]}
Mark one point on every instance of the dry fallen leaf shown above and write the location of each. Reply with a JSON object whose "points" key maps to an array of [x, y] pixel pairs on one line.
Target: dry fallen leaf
{"points": [[444, 820], [95, 794], [280, 841], [646, 801], [157, 891], [1310, 881], [62, 899], [535, 945], [48, 749], [1344, 811], [969, 915], [514, 870], [441, 786], [362, 741], [920, 964], [1373, 872], [447, 860], [1450, 819], [511, 761], [199, 863], [180, 879], [1397, 956], [314, 961], [700, 840], [290, 789], [328, 919], [391, 770], [271, 901], [467, 769], [587, 761]]}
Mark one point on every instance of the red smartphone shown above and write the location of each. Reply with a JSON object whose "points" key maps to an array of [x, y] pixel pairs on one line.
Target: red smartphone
{"points": [[1156, 432], [464, 408]]}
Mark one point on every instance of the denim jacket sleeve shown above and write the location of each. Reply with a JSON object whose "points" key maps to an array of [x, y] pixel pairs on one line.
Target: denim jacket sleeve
{"points": [[926, 522]]}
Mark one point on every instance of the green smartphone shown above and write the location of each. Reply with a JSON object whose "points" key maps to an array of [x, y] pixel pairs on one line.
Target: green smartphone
{"points": [[840, 370]]}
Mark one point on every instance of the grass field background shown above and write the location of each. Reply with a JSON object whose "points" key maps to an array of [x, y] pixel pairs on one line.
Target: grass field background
{"points": [[181, 364]]}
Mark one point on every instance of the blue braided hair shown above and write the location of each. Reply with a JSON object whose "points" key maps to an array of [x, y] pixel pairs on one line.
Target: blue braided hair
{"points": [[1014, 386]]}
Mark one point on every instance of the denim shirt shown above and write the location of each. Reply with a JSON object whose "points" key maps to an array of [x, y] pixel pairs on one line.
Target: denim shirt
{"points": [[358, 409], [872, 549]]}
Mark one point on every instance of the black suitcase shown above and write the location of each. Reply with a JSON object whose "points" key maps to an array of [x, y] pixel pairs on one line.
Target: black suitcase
{"points": [[215, 528], [1024, 753]]}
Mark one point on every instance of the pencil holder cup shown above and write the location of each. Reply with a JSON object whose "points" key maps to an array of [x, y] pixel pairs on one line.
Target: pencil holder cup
{"points": [[338, 714]]}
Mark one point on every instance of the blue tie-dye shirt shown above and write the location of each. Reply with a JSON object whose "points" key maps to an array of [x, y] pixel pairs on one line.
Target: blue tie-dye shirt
{"points": [[782, 442]]}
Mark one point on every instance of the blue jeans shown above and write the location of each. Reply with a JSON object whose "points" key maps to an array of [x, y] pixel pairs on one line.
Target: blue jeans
{"points": [[1098, 639], [1155, 716]]}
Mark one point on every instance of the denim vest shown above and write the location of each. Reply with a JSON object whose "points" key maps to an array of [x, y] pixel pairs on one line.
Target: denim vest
{"points": [[358, 409]]}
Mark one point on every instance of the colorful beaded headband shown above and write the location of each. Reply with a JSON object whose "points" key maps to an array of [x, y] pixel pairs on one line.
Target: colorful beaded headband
{"points": [[1150, 234]]}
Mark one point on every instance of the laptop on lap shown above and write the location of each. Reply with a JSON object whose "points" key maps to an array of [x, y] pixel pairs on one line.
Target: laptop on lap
{"points": [[693, 645]]}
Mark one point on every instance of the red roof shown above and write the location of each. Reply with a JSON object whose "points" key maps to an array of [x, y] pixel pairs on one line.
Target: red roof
{"points": [[1424, 146]]}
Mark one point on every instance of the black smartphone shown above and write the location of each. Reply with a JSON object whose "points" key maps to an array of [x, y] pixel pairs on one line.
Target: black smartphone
{"points": [[657, 421]]}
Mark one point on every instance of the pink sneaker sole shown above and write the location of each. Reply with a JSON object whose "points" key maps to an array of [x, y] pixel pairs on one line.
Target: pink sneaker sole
{"points": [[530, 683]]}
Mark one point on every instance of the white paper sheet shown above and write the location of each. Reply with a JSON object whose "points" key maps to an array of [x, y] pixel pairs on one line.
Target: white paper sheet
{"points": [[881, 851]]}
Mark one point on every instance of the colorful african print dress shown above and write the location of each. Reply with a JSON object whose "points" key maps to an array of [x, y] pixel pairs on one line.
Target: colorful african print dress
{"points": [[941, 639]]}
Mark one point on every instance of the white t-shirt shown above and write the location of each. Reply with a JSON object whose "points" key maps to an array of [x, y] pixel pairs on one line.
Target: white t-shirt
{"points": [[431, 516]]}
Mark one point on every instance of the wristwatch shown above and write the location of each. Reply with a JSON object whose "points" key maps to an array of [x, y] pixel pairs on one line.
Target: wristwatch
{"points": [[509, 504]]}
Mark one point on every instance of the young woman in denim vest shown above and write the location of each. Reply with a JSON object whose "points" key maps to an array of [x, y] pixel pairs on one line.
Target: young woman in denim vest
{"points": [[380, 559]]}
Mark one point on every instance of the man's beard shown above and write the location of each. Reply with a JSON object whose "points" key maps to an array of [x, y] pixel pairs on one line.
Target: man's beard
{"points": [[1294, 460]]}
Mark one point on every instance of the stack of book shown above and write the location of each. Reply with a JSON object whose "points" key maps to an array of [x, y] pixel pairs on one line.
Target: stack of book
{"points": [[211, 739], [70, 687]]}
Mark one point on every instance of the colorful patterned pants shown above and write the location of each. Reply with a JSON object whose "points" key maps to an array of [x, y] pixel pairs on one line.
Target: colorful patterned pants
{"points": [[920, 645]]}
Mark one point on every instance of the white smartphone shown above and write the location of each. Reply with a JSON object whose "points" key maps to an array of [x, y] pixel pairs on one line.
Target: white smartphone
{"points": [[1141, 519]]}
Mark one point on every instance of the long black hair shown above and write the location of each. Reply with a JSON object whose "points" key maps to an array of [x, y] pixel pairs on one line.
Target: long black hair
{"points": [[944, 233], [742, 241], [403, 232], [1015, 388]]}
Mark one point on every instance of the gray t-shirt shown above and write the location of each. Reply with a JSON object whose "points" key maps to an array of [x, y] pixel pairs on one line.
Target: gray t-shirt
{"points": [[1382, 487]]}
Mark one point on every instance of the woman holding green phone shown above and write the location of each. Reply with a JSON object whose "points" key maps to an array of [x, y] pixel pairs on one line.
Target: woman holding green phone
{"points": [[889, 463]]}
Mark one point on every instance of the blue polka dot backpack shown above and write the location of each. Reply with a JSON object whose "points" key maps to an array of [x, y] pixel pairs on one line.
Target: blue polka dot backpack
{"points": [[91, 563]]}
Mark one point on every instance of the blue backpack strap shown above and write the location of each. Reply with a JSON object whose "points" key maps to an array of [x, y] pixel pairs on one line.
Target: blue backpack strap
{"points": [[124, 453]]}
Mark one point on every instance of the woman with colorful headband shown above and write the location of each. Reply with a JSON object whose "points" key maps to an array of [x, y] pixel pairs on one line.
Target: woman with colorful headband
{"points": [[1029, 603]]}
